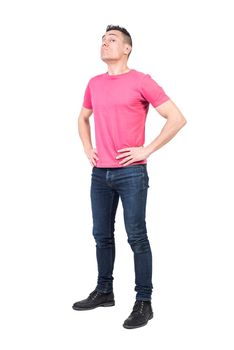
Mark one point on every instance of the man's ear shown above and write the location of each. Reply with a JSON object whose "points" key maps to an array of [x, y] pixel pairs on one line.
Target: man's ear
{"points": [[127, 49]]}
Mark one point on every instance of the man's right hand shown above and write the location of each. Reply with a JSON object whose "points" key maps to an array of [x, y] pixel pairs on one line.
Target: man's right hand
{"points": [[92, 155]]}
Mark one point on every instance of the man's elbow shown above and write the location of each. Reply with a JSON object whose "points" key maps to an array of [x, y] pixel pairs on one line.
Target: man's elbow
{"points": [[183, 121], [180, 119], [180, 122]]}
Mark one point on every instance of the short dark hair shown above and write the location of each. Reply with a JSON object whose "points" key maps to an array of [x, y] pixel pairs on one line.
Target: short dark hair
{"points": [[123, 30]]}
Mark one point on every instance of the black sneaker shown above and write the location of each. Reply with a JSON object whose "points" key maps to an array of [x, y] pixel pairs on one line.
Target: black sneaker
{"points": [[95, 299], [142, 312]]}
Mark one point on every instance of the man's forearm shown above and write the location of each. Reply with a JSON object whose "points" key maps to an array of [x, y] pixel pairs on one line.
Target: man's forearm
{"points": [[169, 130], [85, 133]]}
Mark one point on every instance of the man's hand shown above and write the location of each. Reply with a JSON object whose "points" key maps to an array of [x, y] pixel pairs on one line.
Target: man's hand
{"points": [[132, 154], [92, 155]]}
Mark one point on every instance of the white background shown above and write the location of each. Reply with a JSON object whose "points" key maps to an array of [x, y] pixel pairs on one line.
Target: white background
{"points": [[49, 51]]}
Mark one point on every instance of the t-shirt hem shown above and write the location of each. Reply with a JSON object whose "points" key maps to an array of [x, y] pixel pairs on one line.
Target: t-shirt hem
{"points": [[119, 165]]}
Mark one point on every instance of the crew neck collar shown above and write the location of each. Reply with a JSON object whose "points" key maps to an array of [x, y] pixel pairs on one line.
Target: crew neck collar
{"points": [[115, 76]]}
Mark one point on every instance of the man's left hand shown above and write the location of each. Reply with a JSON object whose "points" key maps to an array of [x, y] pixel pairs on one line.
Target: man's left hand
{"points": [[132, 154]]}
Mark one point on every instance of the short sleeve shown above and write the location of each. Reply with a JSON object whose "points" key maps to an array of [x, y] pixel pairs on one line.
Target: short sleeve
{"points": [[152, 92], [87, 102]]}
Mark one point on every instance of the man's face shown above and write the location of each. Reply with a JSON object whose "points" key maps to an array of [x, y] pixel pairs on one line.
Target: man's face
{"points": [[113, 47]]}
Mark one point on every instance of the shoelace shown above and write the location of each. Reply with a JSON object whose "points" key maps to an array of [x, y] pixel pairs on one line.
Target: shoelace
{"points": [[139, 305], [142, 305], [93, 295]]}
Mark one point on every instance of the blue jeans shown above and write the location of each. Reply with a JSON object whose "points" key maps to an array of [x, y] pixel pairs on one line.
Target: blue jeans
{"points": [[131, 184]]}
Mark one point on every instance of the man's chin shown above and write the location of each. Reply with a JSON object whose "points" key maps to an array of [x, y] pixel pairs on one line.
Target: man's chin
{"points": [[107, 59]]}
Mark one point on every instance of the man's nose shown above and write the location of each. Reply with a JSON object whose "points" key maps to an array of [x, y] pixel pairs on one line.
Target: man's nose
{"points": [[105, 43]]}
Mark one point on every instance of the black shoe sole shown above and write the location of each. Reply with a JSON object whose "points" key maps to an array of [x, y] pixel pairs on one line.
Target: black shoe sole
{"points": [[109, 303], [141, 325]]}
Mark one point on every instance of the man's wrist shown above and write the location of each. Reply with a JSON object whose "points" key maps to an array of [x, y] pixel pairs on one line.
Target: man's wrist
{"points": [[88, 148], [149, 150]]}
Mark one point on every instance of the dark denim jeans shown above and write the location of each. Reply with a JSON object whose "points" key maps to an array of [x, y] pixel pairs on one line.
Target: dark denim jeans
{"points": [[131, 184]]}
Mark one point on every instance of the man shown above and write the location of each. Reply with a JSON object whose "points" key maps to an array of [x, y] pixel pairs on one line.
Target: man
{"points": [[120, 101]]}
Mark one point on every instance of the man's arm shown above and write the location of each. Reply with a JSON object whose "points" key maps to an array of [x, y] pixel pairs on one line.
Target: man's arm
{"points": [[175, 121], [85, 134]]}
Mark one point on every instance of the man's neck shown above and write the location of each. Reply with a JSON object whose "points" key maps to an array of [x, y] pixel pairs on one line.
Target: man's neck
{"points": [[117, 69]]}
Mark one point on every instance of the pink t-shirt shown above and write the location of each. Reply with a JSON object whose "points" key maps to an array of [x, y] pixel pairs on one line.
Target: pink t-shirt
{"points": [[120, 105]]}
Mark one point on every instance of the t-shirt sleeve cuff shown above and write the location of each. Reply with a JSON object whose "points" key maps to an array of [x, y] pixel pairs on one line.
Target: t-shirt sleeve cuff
{"points": [[162, 100]]}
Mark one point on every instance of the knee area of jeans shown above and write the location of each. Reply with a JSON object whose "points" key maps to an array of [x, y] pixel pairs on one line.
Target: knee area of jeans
{"points": [[140, 246], [104, 243]]}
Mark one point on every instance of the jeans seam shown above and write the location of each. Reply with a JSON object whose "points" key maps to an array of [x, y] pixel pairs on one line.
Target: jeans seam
{"points": [[110, 221]]}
